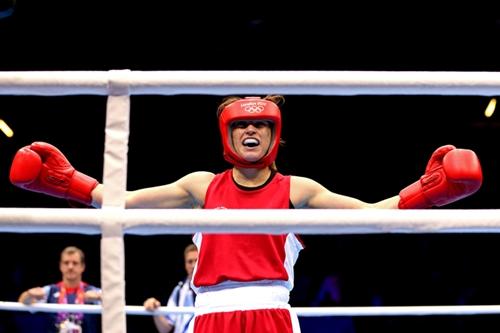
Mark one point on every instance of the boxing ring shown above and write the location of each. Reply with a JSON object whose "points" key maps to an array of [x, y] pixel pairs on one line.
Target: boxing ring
{"points": [[112, 221]]}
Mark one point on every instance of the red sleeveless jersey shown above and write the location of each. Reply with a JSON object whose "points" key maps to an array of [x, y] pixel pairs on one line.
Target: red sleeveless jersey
{"points": [[246, 257]]}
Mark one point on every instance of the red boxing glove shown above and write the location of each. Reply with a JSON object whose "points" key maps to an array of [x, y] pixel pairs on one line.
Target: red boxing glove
{"points": [[451, 174], [41, 167]]}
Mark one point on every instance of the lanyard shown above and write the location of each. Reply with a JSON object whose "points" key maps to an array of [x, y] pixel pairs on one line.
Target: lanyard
{"points": [[63, 299]]}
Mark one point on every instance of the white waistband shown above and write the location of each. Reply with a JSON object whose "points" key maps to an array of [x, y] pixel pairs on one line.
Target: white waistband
{"points": [[243, 298]]}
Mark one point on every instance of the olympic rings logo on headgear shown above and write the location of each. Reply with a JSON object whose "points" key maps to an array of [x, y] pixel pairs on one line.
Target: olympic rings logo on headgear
{"points": [[253, 107]]}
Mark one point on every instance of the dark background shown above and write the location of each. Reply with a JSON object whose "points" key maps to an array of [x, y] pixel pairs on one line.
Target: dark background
{"points": [[368, 147]]}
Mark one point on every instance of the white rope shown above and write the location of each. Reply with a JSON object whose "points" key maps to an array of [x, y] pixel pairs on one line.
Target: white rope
{"points": [[399, 310], [301, 311], [303, 221], [59, 83]]}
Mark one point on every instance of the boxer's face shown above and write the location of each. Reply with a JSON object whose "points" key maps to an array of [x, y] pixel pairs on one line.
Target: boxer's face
{"points": [[251, 139]]}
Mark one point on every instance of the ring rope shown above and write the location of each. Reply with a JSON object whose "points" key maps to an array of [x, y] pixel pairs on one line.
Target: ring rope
{"points": [[275, 221], [61, 83], [353, 311]]}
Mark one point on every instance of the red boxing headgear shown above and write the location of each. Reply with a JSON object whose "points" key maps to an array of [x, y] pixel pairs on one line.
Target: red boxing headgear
{"points": [[250, 108]]}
